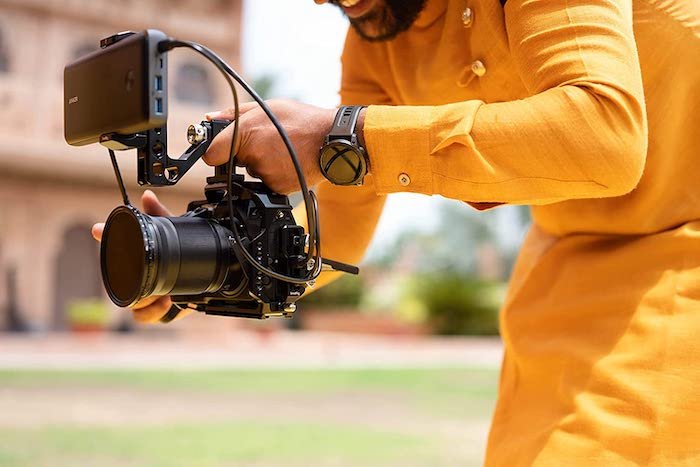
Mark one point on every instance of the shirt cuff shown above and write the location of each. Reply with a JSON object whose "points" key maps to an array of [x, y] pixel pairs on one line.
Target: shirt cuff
{"points": [[398, 144], [402, 142]]}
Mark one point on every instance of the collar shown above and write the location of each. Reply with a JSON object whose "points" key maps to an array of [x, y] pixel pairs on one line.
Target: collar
{"points": [[434, 9]]}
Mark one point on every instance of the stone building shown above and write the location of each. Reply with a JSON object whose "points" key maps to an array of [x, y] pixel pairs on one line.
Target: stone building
{"points": [[51, 193]]}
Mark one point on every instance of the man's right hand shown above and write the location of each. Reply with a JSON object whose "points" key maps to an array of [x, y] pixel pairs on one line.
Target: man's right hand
{"points": [[151, 309]]}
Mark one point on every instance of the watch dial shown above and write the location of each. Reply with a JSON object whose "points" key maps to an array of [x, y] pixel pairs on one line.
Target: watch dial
{"points": [[342, 163]]}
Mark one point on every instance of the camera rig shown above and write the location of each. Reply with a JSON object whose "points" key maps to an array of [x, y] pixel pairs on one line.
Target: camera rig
{"points": [[238, 252]]}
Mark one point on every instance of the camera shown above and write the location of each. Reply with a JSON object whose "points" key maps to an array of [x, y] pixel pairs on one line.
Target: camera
{"points": [[193, 257], [237, 252]]}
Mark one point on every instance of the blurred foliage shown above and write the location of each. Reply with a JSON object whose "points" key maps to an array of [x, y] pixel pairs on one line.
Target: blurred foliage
{"points": [[87, 313], [264, 85], [450, 278], [346, 292], [459, 234], [458, 304], [410, 308]]}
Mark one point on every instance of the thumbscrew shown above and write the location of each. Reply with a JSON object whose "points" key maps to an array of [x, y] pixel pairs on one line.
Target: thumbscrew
{"points": [[196, 134]]}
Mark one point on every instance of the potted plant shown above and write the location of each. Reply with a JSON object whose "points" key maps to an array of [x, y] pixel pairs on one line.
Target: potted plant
{"points": [[87, 316]]}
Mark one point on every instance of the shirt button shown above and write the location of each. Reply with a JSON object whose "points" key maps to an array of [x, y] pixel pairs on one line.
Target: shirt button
{"points": [[467, 17], [478, 68], [404, 179]]}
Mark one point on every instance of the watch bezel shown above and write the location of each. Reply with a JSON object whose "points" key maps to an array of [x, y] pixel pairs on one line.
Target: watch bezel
{"points": [[362, 168]]}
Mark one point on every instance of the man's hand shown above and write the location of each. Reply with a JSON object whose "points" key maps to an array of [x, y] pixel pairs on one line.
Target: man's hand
{"points": [[261, 149], [151, 309]]}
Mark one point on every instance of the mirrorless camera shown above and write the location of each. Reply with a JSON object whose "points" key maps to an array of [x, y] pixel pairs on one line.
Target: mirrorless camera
{"points": [[238, 252]]}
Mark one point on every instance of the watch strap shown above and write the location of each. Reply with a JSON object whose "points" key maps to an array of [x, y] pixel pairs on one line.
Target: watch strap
{"points": [[345, 122], [342, 159]]}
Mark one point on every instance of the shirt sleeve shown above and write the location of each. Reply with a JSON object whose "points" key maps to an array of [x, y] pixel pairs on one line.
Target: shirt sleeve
{"points": [[348, 215], [581, 134]]}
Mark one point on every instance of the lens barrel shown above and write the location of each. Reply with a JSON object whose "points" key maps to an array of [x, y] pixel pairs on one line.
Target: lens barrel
{"points": [[143, 255]]}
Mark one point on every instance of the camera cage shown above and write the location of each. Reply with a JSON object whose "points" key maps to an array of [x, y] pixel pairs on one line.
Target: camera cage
{"points": [[156, 168]]}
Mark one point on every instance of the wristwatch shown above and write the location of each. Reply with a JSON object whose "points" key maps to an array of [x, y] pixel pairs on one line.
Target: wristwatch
{"points": [[343, 160]]}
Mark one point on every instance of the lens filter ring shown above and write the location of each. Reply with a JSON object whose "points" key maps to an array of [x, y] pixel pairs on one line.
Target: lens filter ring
{"points": [[128, 256]]}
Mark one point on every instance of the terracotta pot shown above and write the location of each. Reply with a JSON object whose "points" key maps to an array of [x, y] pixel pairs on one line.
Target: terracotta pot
{"points": [[87, 328]]}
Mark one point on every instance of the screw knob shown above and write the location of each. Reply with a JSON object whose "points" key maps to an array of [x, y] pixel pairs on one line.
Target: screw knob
{"points": [[196, 134]]}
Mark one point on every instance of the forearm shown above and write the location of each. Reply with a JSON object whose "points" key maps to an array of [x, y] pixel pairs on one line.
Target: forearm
{"points": [[567, 143]]}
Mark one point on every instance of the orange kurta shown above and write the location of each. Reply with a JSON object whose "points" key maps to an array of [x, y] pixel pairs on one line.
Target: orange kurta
{"points": [[589, 110]]}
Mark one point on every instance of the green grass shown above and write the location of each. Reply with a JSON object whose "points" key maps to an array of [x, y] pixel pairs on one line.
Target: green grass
{"points": [[473, 382], [466, 391], [434, 395], [211, 445]]}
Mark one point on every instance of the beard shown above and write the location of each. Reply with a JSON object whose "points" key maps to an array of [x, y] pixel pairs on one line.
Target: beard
{"points": [[388, 20]]}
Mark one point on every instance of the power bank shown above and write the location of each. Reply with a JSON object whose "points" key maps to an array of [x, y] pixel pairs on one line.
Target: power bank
{"points": [[121, 88]]}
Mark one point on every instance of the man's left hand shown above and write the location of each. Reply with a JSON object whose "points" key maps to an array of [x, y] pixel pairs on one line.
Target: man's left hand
{"points": [[261, 149]]}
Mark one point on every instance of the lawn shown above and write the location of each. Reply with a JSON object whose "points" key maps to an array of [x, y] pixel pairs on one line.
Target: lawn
{"points": [[245, 418]]}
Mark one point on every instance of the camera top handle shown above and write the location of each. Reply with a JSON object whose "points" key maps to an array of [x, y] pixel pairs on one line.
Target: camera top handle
{"points": [[155, 167]]}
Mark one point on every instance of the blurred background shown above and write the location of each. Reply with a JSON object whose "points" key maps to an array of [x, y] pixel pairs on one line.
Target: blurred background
{"points": [[396, 367]]}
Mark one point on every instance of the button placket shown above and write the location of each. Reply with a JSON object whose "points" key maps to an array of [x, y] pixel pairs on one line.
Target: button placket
{"points": [[477, 68]]}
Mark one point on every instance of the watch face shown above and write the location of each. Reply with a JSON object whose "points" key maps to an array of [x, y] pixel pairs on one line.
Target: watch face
{"points": [[342, 163]]}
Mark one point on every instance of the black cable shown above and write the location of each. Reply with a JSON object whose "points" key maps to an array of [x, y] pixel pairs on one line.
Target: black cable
{"points": [[120, 181], [317, 226], [219, 62], [309, 198]]}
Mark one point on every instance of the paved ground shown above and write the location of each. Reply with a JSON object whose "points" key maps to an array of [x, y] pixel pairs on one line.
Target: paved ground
{"points": [[246, 349]]}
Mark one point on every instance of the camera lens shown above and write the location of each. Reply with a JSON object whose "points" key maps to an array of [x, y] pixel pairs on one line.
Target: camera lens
{"points": [[143, 256]]}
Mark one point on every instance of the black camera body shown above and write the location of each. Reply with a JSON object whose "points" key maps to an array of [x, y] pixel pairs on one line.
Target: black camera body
{"points": [[271, 232], [238, 252], [195, 258]]}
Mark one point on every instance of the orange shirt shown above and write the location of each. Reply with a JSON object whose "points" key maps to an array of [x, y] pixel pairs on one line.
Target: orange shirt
{"points": [[588, 110]]}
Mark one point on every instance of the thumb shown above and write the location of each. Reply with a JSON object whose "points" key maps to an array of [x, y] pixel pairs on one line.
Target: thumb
{"points": [[230, 113], [153, 206], [96, 231]]}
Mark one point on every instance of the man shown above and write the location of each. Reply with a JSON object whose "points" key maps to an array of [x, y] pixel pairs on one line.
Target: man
{"points": [[588, 110]]}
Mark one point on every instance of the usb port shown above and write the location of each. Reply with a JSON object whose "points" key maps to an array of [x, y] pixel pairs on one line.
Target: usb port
{"points": [[159, 83], [159, 105]]}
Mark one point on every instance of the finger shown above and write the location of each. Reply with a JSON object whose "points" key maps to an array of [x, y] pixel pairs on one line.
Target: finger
{"points": [[146, 302], [230, 113], [96, 231], [153, 312], [219, 151], [152, 206], [253, 173]]}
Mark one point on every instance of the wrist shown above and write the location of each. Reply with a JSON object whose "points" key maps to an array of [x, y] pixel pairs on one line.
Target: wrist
{"points": [[342, 158], [360, 129]]}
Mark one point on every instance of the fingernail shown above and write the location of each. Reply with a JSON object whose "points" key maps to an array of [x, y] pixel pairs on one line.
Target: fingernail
{"points": [[148, 191]]}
